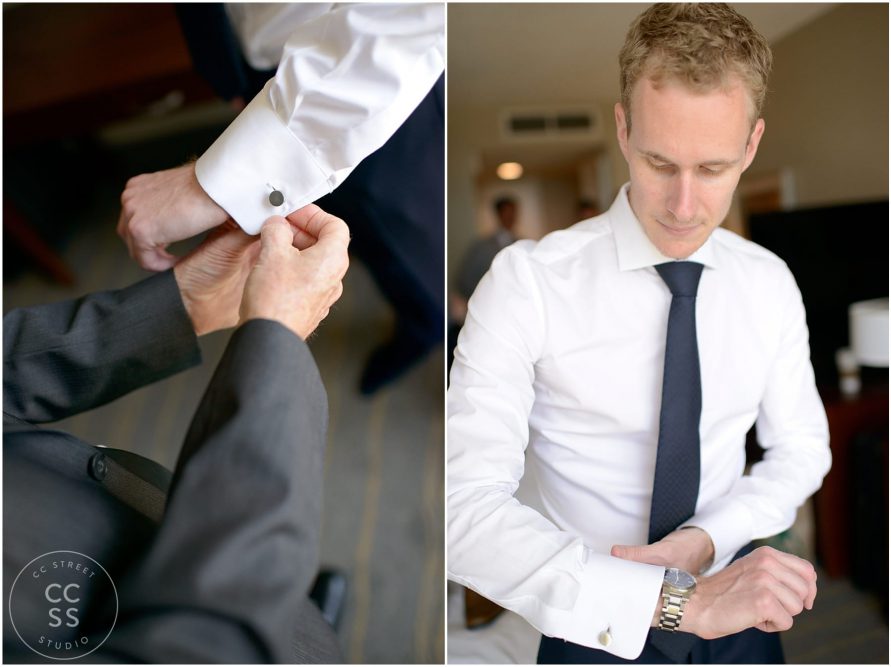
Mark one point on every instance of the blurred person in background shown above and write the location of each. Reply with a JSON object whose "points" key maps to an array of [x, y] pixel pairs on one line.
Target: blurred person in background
{"points": [[476, 262], [587, 209]]}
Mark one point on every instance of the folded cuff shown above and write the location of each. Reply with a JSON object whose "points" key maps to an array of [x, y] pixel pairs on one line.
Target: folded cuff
{"points": [[254, 156], [614, 608]]}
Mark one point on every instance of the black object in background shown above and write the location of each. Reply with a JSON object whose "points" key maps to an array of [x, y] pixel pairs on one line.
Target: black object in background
{"points": [[869, 529], [838, 255]]}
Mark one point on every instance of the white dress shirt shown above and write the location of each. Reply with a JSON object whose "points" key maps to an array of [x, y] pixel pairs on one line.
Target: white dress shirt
{"points": [[558, 377], [348, 77]]}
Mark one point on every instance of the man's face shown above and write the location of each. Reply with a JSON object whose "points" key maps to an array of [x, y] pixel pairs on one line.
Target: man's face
{"points": [[507, 215], [686, 152]]}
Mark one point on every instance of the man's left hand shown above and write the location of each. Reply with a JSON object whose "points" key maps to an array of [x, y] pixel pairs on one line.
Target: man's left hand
{"points": [[690, 549], [211, 278]]}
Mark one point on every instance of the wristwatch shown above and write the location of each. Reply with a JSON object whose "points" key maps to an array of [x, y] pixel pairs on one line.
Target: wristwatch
{"points": [[677, 587]]}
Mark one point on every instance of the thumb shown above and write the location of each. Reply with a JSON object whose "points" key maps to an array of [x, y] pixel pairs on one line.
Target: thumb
{"points": [[230, 237], [640, 554], [275, 235], [157, 259]]}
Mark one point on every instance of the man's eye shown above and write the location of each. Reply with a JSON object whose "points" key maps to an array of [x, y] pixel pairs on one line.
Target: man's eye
{"points": [[711, 172], [658, 166]]}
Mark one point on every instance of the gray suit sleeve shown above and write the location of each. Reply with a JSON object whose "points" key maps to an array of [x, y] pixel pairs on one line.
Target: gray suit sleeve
{"points": [[64, 358], [236, 551]]}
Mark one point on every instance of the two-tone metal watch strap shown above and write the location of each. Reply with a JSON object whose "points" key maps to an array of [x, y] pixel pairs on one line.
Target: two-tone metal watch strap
{"points": [[673, 603]]}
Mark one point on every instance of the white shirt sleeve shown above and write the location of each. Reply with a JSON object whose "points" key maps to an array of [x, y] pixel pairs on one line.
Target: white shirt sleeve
{"points": [[346, 82], [794, 433], [504, 550]]}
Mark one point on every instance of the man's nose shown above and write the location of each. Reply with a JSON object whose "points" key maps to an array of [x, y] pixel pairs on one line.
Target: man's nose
{"points": [[682, 199]]}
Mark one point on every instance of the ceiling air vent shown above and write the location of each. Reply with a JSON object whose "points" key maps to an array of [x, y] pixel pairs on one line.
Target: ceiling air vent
{"points": [[551, 124]]}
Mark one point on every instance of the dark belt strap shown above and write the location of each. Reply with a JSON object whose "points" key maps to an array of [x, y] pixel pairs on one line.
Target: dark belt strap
{"points": [[149, 498]]}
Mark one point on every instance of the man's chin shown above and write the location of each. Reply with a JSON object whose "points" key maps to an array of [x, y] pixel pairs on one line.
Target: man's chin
{"points": [[674, 244], [677, 249]]}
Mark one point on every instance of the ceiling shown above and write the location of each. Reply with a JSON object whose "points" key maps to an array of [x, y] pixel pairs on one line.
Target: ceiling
{"points": [[519, 54], [515, 55]]}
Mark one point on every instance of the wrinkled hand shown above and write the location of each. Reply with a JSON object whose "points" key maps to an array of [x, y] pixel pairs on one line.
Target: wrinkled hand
{"points": [[163, 207], [763, 590], [211, 278], [298, 275], [689, 549]]}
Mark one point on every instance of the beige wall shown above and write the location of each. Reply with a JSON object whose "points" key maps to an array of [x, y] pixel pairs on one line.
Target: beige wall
{"points": [[548, 201], [827, 110], [460, 194]]}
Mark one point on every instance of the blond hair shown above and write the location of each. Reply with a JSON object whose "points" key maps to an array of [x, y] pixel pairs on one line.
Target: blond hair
{"points": [[699, 44]]}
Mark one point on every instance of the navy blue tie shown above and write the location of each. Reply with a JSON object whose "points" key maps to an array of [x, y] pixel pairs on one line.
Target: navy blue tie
{"points": [[676, 482]]}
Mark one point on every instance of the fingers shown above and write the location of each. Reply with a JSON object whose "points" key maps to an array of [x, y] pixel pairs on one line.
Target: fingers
{"points": [[771, 589], [317, 224], [148, 256], [154, 259], [302, 240], [622, 551], [333, 229], [229, 237], [777, 620], [798, 585], [812, 594], [794, 572], [275, 235], [302, 218], [641, 554]]}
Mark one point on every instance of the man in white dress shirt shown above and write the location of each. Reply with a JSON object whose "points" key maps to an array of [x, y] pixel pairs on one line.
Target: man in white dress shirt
{"points": [[352, 83], [558, 378]]}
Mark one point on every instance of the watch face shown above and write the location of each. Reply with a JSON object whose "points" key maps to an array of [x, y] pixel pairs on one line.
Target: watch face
{"points": [[679, 579]]}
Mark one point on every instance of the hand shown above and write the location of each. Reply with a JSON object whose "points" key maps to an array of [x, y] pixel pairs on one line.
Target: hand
{"points": [[763, 590], [211, 278], [689, 549], [161, 208], [457, 307], [298, 274]]}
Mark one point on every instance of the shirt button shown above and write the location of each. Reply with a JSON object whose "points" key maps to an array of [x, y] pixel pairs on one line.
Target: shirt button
{"points": [[276, 198], [605, 638], [98, 467]]}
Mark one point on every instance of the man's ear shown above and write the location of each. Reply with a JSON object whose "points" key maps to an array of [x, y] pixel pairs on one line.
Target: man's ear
{"points": [[754, 140], [621, 129]]}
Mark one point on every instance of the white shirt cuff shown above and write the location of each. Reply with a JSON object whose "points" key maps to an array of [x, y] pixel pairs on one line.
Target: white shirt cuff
{"points": [[630, 589], [254, 156]]}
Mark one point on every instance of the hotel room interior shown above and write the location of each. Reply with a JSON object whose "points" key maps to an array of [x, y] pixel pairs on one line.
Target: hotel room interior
{"points": [[816, 194]]}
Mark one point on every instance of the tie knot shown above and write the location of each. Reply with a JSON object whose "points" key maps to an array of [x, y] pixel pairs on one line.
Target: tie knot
{"points": [[682, 278]]}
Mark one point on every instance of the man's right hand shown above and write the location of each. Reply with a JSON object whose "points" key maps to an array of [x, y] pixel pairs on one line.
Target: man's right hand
{"points": [[298, 275], [763, 590], [161, 208]]}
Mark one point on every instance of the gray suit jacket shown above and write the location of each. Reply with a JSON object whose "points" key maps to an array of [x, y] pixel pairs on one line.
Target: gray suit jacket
{"points": [[223, 577]]}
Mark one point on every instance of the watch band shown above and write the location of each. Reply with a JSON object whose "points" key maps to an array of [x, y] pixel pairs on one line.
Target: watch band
{"points": [[673, 603]]}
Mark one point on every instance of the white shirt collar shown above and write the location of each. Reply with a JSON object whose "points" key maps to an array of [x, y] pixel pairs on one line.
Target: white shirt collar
{"points": [[634, 248]]}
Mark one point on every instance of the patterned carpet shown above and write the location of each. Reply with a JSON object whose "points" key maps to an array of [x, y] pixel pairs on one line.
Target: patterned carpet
{"points": [[383, 511]]}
